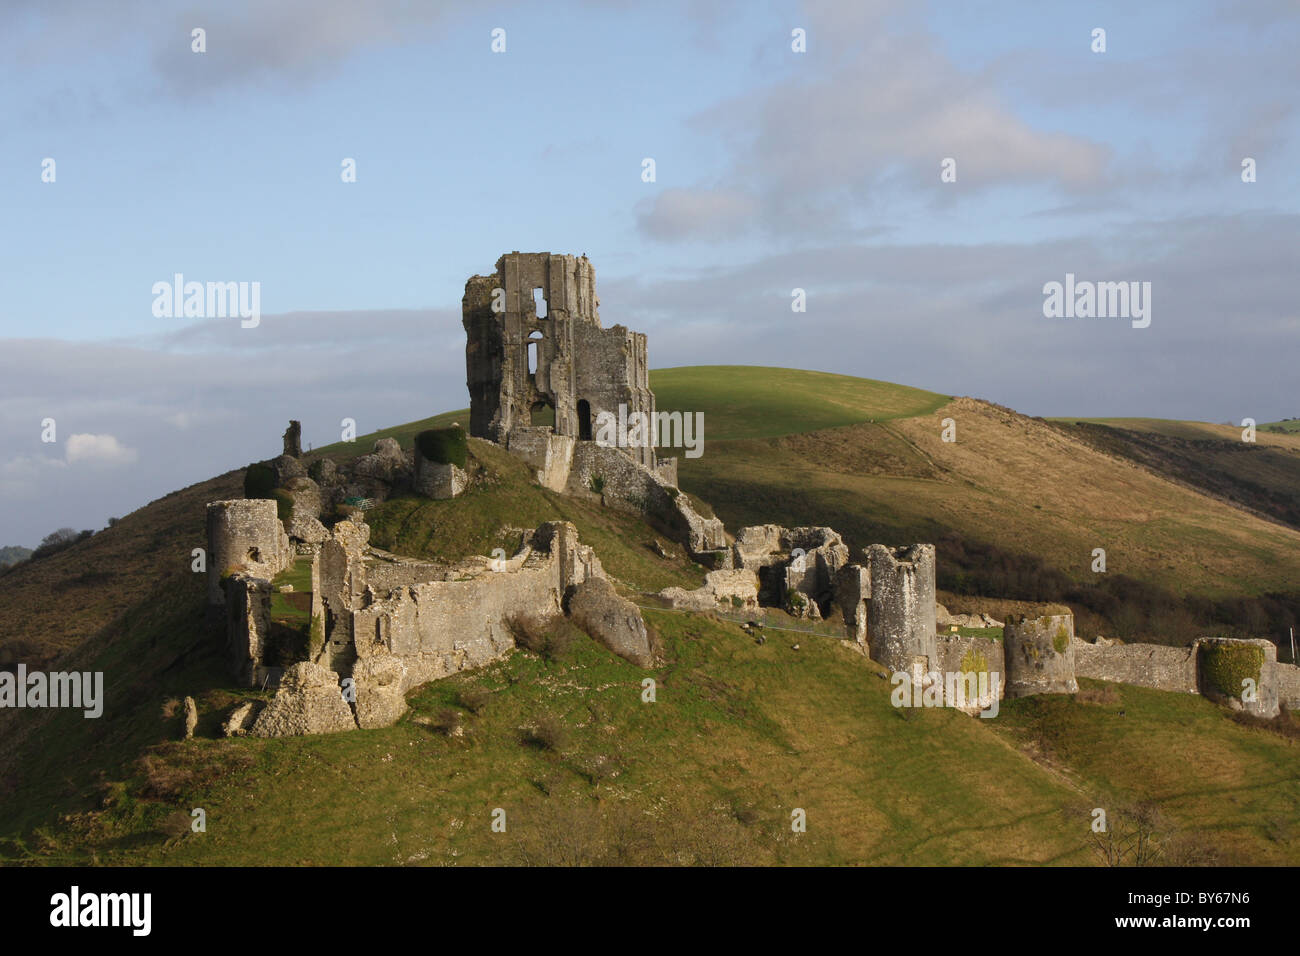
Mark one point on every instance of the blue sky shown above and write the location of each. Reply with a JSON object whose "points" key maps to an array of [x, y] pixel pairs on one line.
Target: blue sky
{"points": [[775, 170]]}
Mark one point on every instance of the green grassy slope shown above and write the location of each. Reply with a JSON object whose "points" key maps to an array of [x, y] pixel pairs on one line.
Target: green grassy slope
{"points": [[738, 737], [473, 523], [740, 734], [741, 401]]}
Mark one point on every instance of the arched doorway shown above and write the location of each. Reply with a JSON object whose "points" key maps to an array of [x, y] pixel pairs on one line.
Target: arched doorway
{"points": [[584, 420]]}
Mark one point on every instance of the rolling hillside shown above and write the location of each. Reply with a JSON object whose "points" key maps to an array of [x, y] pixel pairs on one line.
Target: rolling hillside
{"points": [[739, 734]]}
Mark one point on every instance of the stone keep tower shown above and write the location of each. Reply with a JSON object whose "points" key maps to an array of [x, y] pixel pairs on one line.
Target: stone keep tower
{"points": [[901, 619], [535, 349]]}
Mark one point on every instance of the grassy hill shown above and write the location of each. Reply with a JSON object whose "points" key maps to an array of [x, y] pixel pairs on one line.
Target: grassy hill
{"points": [[1262, 477], [740, 401], [740, 734]]}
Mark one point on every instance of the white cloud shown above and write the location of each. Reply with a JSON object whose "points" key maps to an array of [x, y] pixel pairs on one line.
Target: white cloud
{"points": [[702, 213], [98, 449]]}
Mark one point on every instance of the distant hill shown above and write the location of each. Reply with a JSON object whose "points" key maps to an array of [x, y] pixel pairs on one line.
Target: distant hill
{"points": [[1261, 476], [13, 554]]}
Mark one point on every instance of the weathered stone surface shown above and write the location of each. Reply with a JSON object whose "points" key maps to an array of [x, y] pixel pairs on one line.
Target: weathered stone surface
{"points": [[1039, 655], [438, 622], [437, 480], [342, 586], [1288, 685], [191, 717], [389, 449], [379, 686], [550, 454], [248, 626], [734, 589], [324, 471], [1146, 665], [626, 484], [961, 656], [285, 468], [852, 591], [304, 521], [240, 720], [373, 466], [581, 368], [612, 620], [901, 622], [804, 560], [308, 701], [244, 536], [293, 440]]}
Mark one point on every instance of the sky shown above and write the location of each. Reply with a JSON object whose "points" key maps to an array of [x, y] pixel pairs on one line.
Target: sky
{"points": [[775, 169]]}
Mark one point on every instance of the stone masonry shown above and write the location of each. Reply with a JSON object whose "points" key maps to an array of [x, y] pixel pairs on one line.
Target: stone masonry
{"points": [[901, 621], [535, 346], [1039, 655], [246, 536]]}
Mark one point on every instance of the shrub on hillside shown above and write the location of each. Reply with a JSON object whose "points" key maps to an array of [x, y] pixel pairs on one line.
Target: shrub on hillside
{"points": [[1225, 666], [283, 504], [447, 721], [447, 446], [474, 698], [57, 541], [552, 639], [549, 734], [259, 480]]}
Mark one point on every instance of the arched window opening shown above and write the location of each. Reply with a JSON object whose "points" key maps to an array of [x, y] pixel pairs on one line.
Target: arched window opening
{"points": [[534, 343]]}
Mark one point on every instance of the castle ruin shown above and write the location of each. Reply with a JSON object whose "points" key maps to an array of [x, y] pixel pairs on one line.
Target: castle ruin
{"points": [[541, 371]]}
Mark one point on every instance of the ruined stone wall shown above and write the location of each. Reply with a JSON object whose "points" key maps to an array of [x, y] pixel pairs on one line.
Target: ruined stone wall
{"points": [[734, 589], [244, 535], [1288, 685], [1146, 665], [631, 486], [581, 368], [612, 369], [434, 479], [901, 619], [1038, 653], [248, 626], [429, 630], [853, 596], [550, 454], [343, 581], [958, 655]]}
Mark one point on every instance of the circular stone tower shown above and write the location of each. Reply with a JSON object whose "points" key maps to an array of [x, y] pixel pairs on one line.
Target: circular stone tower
{"points": [[1039, 652], [244, 534]]}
